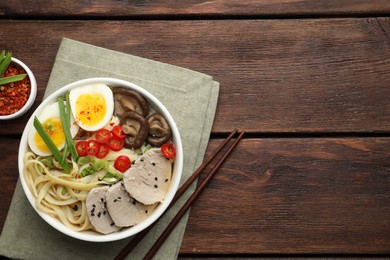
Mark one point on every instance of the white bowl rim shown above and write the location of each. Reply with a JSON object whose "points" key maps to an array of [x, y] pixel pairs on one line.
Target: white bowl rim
{"points": [[33, 92], [126, 232]]}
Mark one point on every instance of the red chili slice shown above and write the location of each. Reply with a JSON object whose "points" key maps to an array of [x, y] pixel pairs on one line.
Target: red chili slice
{"points": [[168, 150], [102, 136], [81, 147], [92, 147], [103, 151], [122, 163], [116, 143], [117, 131]]}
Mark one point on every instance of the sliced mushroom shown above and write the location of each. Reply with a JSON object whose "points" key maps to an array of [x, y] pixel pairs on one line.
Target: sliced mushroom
{"points": [[159, 132], [136, 128], [126, 99]]}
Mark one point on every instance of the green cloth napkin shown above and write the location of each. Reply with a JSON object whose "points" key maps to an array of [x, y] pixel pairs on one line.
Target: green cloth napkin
{"points": [[191, 97]]}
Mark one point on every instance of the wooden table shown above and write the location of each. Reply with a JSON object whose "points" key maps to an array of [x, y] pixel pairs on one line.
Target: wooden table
{"points": [[307, 80]]}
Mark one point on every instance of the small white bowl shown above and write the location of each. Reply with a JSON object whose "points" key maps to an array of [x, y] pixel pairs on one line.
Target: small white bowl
{"points": [[33, 92], [176, 174]]}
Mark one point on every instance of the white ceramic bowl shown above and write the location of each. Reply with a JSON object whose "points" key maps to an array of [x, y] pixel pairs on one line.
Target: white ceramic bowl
{"points": [[177, 169], [33, 92]]}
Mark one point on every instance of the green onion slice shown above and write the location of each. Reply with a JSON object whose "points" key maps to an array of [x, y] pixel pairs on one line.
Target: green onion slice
{"points": [[11, 79], [5, 63], [2, 56], [66, 126], [50, 144]]}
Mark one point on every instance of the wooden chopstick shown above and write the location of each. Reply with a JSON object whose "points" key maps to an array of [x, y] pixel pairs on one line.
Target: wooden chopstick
{"points": [[190, 201], [203, 166], [137, 238]]}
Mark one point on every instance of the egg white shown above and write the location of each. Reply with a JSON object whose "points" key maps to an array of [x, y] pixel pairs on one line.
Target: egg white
{"points": [[100, 89], [51, 111]]}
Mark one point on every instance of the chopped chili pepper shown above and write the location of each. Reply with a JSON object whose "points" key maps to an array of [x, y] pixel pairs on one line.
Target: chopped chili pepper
{"points": [[103, 151], [103, 135], [122, 163], [81, 148], [116, 143], [13, 96], [92, 147], [168, 150], [118, 132]]}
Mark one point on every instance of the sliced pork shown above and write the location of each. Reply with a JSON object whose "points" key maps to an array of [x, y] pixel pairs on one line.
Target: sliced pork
{"points": [[97, 211], [148, 178], [124, 210]]}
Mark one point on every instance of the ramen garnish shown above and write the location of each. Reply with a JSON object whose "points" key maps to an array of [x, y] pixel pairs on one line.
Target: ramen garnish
{"points": [[14, 95], [100, 158]]}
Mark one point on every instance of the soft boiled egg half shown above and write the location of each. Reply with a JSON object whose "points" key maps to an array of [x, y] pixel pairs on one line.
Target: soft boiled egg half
{"points": [[92, 106], [51, 121]]}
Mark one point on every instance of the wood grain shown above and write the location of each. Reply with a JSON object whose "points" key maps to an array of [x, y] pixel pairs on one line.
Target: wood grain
{"points": [[308, 81], [193, 8], [276, 76], [9, 175], [296, 196], [285, 196]]}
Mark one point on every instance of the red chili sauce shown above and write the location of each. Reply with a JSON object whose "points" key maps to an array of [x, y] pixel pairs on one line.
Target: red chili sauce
{"points": [[14, 95]]}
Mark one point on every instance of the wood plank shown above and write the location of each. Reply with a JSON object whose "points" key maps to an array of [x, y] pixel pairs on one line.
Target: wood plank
{"points": [[312, 75], [195, 8], [318, 195], [9, 175]]}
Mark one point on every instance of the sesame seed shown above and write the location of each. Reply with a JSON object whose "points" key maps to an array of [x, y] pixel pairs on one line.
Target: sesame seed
{"points": [[155, 186]]}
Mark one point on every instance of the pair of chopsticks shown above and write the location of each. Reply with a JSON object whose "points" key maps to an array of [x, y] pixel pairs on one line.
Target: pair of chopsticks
{"points": [[134, 242]]}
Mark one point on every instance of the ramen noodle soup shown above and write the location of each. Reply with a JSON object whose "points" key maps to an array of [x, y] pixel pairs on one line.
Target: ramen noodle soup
{"points": [[99, 158]]}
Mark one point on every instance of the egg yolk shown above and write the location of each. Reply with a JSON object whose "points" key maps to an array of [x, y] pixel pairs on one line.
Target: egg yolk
{"points": [[53, 127], [90, 109]]}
